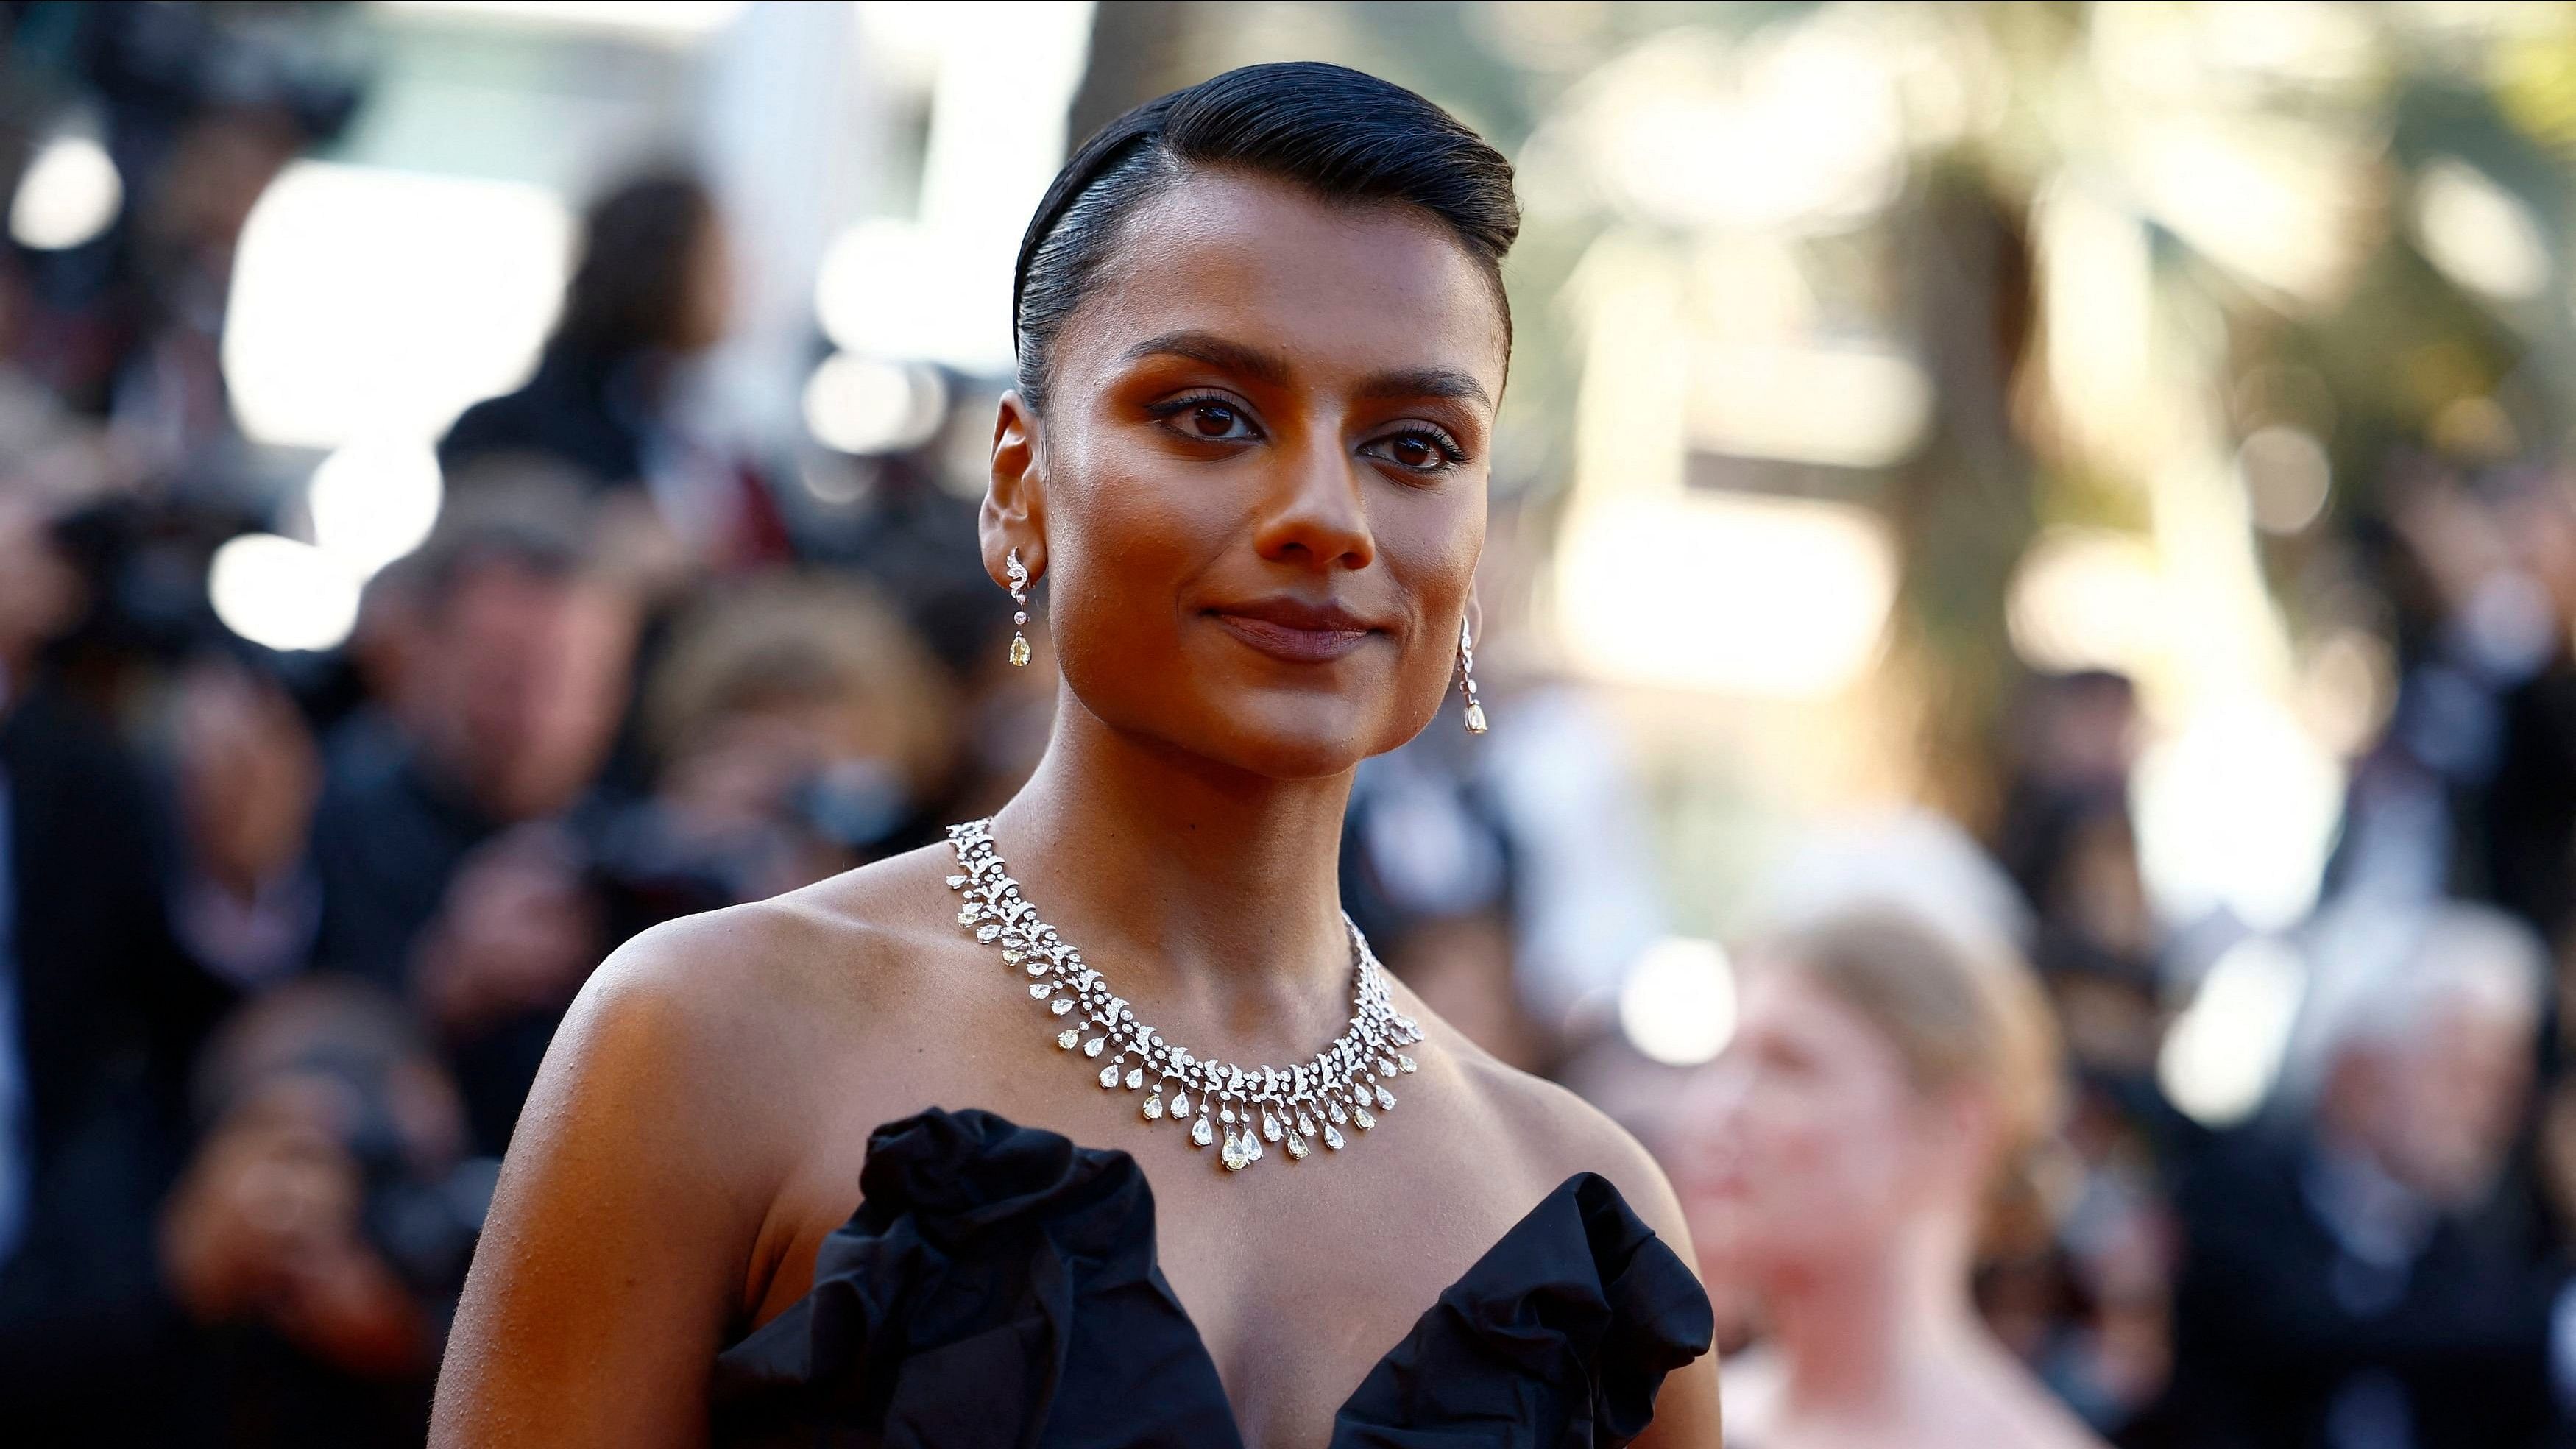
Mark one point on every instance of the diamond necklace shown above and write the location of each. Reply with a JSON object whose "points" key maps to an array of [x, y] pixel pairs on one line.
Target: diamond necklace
{"points": [[1340, 1086]]}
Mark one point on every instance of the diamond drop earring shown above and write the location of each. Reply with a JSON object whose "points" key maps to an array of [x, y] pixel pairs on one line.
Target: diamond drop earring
{"points": [[1019, 576], [1467, 677]]}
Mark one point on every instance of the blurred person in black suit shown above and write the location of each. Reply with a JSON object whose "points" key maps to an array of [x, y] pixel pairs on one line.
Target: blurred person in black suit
{"points": [[99, 1015], [2367, 1275], [446, 843]]}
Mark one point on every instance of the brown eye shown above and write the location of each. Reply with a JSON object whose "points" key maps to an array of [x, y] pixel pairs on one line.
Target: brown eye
{"points": [[1207, 417], [1417, 451]]}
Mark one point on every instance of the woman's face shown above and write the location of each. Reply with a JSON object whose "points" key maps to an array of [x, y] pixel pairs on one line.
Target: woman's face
{"points": [[1258, 492], [1804, 1141], [706, 305]]}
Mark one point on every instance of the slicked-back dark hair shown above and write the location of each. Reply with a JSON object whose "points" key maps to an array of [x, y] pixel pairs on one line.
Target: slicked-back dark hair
{"points": [[1339, 133]]}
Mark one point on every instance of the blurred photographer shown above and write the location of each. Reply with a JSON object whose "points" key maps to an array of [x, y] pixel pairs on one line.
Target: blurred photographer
{"points": [[99, 1016], [319, 1237], [798, 729], [443, 837]]}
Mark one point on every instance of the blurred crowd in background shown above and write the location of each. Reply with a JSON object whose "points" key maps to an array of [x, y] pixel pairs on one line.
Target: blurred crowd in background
{"points": [[2058, 521]]}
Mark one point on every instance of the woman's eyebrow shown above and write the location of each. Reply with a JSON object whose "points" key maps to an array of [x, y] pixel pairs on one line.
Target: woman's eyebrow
{"points": [[1215, 351], [1425, 382], [1266, 367]]}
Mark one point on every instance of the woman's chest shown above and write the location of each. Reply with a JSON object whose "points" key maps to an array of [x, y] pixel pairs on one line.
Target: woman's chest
{"points": [[1298, 1299]]}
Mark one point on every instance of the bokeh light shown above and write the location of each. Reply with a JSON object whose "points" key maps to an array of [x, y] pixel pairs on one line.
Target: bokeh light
{"points": [[69, 194], [2481, 235], [374, 303], [2224, 1053], [2087, 599], [860, 404], [1776, 597], [2286, 475], [282, 594], [1678, 1003], [373, 502], [2236, 810]]}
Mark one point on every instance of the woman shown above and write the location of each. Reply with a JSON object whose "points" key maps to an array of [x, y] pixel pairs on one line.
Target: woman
{"points": [[650, 292], [1261, 333], [1847, 1152], [608, 411]]}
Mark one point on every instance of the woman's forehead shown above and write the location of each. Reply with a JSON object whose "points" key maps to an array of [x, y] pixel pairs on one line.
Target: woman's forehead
{"points": [[1787, 998], [1332, 287]]}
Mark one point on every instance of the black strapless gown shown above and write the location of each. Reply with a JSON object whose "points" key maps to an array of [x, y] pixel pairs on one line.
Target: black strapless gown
{"points": [[998, 1287]]}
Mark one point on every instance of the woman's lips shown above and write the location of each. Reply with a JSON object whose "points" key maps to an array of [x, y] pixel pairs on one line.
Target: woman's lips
{"points": [[1298, 646]]}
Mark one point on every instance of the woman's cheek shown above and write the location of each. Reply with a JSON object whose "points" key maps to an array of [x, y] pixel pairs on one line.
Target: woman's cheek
{"points": [[1802, 1160], [1140, 527], [1437, 576], [1108, 555]]}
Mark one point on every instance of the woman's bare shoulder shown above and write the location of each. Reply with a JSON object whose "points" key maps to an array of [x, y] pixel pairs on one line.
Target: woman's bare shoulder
{"points": [[721, 1017], [1558, 1134], [1555, 1134], [678, 1095], [854, 941]]}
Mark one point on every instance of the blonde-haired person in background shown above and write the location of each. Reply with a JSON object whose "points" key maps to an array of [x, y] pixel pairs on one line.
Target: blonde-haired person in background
{"points": [[1841, 1163]]}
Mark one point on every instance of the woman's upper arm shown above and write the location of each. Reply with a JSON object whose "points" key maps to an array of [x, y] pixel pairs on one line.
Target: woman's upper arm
{"points": [[1686, 1415], [1686, 1411], [616, 1248], [1686, 1408]]}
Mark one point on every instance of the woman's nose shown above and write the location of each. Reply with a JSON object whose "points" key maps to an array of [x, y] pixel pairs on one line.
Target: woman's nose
{"points": [[1316, 515], [1714, 1097]]}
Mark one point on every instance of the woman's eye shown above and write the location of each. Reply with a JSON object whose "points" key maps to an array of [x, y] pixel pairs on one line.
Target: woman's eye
{"points": [[1208, 419], [1212, 420], [1418, 452], [1414, 452]]}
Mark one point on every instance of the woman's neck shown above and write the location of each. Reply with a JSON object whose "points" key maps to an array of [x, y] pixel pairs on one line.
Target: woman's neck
{"points": [[1855, 1330], [1197, 886]]}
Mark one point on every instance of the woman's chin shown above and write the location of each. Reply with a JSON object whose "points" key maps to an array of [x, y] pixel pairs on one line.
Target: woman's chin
{"points": [[1279, 734], [1297, 739], [1759, 1244], [1296, 757]]}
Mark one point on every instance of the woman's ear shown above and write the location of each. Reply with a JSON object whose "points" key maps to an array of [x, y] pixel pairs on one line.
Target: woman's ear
{"points": [[1014, 513]]}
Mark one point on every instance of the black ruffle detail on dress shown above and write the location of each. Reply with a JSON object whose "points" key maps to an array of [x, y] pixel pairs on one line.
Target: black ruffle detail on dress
{"points": [[1558, 1338], [998, 1286]]}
